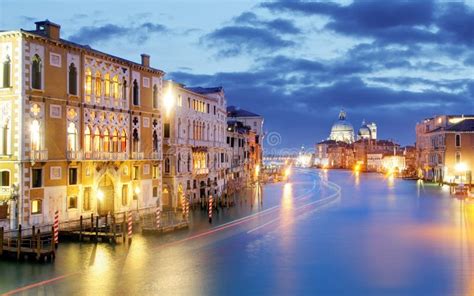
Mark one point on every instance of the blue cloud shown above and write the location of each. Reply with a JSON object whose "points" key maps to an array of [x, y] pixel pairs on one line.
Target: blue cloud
{"points": [[102, 33]]}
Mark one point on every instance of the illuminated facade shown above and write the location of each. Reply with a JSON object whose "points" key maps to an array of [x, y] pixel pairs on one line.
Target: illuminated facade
{"points": [[81, 130], [444, 148], [342, 130], [195, 151]]}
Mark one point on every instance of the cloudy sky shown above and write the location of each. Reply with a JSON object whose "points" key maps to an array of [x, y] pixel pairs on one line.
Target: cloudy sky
{"points": [[295, 62]]}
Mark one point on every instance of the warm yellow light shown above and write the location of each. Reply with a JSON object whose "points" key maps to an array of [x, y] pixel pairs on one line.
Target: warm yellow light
{"points": [[168, 100], [137, 190], [461, 167], [287, 172], [257, 170], [100, 195], [357, 168]]}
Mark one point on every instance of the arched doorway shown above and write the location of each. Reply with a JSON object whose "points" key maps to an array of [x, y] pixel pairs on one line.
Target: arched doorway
{"points": [[105, 196], [166, 197]]}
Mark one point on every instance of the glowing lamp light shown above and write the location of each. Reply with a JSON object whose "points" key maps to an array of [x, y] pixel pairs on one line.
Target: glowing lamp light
{"points": [[168, 100], [257, 170], [460, 167], [137, 190], [100, 195]]}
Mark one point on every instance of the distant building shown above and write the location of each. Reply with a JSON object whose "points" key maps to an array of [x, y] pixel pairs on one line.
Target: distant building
{"points": [[367, 131], [255, 123], [444, 147], [342, 130]]}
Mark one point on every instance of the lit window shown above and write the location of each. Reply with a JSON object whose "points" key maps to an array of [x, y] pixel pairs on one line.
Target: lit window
{"points": [[72, 137], [88, 86], [36, 206], [124, 195], [35, 135], [72, 203], [115, 141], [115, 87], [97, 140], [98, 86], [87, 140], [123, 141], [155, 172], [106, 141], [87, 199], [107, 85]]}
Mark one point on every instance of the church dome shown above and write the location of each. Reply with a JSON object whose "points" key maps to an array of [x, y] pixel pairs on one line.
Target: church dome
{"points": [[342, 130]]}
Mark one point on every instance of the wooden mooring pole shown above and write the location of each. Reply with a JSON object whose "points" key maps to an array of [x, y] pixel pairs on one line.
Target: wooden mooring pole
{"points": [[18, 243], [80, 228], [1, 241]]}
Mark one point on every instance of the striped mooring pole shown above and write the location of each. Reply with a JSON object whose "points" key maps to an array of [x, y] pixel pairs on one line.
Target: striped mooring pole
{"points": [[130, 226], [210, 208], [158, 217], [186, 210], [56, 227]]}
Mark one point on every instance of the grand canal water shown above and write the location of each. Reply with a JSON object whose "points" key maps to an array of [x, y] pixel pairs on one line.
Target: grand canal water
{"points": [[322, 233]]}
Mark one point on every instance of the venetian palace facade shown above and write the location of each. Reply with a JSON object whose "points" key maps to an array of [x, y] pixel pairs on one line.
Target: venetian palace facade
{"points": [[195, 149], [81, 129]]}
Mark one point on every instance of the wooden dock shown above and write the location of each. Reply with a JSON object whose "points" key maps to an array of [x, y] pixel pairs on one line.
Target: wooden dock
{"points": [[108, 229], [31, 243]]}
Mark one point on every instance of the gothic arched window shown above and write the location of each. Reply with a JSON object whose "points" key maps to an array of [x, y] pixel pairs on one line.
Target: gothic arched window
{"points": [[6, 72], [155, 96], [36, 68], [72, 137], [72, 79], [136, 99]]}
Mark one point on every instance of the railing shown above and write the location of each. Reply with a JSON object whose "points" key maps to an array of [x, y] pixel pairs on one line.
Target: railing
{"points": [[39, 155], [101, 155], [74, 155], [156, 155], [138, 155], [201, 171]]}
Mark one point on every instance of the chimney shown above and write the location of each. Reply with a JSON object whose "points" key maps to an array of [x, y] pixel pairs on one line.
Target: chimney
{"points": [[145, 60], [49, 29]]}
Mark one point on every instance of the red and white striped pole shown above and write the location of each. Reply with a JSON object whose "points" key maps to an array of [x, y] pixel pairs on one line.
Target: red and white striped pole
{"points": [[186, 210], [56, 227], [158, 217], [210, 208], [130, 226]]}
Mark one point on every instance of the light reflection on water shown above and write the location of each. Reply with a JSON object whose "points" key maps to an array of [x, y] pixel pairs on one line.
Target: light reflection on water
{"points": [[398, 237]]}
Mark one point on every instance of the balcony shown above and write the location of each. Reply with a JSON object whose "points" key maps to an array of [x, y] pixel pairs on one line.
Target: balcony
{"points": [[156, 156], [138, 155], [201, 171], [101, 155], [74, 155], [39, 155]]}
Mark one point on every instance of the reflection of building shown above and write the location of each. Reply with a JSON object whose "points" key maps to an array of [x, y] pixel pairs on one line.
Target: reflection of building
{"points": [[367, 131], [342, 130], [81, 129], [444, 148], [194, 144]]}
